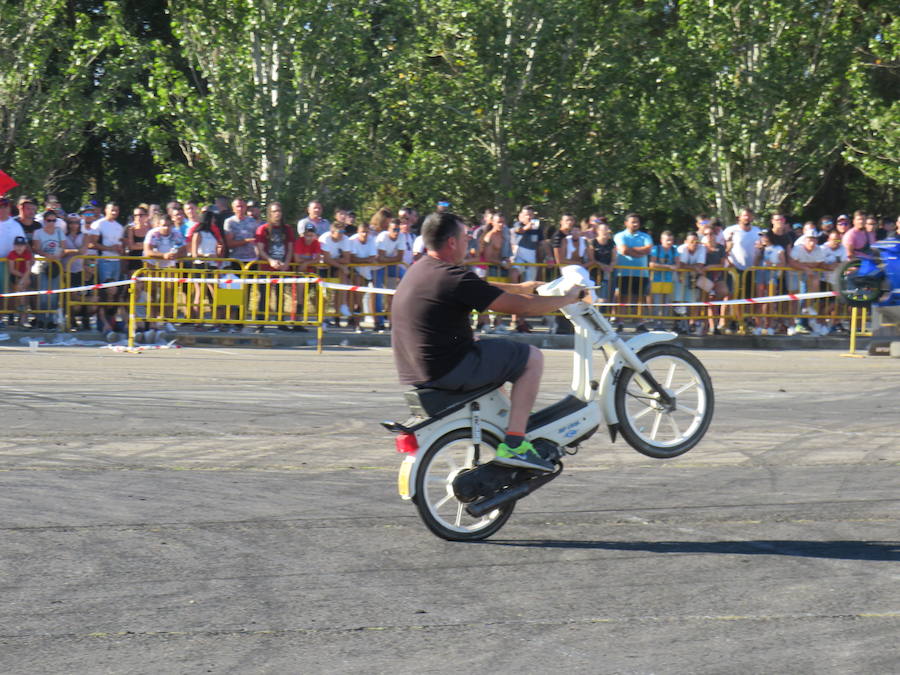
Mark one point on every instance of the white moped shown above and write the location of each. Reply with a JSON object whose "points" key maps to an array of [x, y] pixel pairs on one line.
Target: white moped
{"points": [[656, 394]]}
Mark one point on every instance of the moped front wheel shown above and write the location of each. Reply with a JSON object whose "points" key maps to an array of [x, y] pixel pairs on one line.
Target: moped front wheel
{"points": [[438, 506], [650, 426]]}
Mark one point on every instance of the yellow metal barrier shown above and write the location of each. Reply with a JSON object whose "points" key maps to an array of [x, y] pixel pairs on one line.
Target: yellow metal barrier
{"points": [[638, 289], [114, 299], [766, 281], [361, 304], [42, 274], [223, 297]]}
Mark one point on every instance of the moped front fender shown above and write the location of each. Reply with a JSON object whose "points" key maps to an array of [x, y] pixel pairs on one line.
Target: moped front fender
{"points": [[431, 435], [614, 365]]}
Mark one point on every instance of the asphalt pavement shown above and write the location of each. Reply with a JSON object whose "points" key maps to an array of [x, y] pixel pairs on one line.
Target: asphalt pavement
{"points": [[230, 510]]}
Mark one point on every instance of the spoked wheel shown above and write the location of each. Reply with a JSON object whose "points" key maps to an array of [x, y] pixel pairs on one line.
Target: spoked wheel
{"points": [[442, 512], [857, 291], [651, 427]]}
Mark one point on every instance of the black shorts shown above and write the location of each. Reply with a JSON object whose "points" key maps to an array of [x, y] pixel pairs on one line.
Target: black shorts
{"points": [[632, 286], [493, 360]]}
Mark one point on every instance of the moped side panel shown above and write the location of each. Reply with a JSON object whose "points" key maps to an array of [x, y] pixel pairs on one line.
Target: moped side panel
{"points": [[494, 414], [566, 429], [614, 365]]}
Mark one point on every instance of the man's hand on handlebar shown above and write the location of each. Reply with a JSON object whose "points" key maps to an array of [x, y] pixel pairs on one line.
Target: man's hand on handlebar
{"points": [[575, 294]]}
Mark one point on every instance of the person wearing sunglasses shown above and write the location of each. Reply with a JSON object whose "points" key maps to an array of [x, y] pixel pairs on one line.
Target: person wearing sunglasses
{"points": [[48, 248]]}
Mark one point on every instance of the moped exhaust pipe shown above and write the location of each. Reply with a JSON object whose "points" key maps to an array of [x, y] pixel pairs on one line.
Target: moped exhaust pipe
{"points": [[511, 494]]}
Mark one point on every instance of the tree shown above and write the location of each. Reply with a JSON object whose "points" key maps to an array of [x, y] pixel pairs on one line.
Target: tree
{"points": [[515, 102], [255, 96], [758, 94], [874, 145]]}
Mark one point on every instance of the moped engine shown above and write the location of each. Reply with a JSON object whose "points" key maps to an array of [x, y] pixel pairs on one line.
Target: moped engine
{"points": [[488, 479], [484, 480]]}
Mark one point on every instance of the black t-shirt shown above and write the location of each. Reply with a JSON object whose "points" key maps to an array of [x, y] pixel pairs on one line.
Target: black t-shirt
{"points": [[715, 257], [603, 252], [785, 241], [29, 230], [430, 329], [221, 217]]}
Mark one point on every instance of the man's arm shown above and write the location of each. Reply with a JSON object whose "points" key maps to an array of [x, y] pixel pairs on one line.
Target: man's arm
{"points": [[524, 288], [361, 259], [635, 251], [797, 265], [533, 305], [656, 265], [384, 258]]}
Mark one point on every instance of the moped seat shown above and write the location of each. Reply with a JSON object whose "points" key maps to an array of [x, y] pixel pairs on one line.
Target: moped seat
{"points": [[440, 402]]}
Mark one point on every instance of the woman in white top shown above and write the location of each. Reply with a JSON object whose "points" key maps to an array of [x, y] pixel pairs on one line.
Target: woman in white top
{"points": [[206, 243], [74, 246], [47, 244]]}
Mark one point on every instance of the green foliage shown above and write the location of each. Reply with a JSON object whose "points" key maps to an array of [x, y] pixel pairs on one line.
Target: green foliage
{"points": [[874, 79], [666, 107]]}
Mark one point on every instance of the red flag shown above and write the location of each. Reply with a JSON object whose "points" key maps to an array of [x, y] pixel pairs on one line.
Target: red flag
{"points": [[6, 183]]}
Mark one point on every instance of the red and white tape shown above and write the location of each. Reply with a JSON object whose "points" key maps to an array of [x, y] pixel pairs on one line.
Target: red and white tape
{"points": [[232, 281], [787, 297], [75, 289], [237, 282]]}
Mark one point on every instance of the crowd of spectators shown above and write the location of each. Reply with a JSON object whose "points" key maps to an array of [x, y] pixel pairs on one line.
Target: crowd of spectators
{"points": [[631, 267]]}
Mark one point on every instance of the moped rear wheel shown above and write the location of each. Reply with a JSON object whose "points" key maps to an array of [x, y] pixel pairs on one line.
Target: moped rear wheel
{"points": [[645, 422], [439, 508]]}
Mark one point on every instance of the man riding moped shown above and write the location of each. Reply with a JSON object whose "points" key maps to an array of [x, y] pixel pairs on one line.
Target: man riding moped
{"points": [[434, 345]]}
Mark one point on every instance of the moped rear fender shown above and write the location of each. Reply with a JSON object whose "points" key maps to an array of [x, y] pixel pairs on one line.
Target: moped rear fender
{"points": [[609, 377], [430, 434]]}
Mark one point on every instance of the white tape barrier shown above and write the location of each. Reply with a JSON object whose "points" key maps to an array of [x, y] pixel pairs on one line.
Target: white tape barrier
{"points": [[75, 289], [741, 301], [233, 280], [274, 281]]}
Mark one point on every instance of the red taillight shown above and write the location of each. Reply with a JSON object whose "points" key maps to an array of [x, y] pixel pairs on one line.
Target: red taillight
{"points": [[406, 443]]}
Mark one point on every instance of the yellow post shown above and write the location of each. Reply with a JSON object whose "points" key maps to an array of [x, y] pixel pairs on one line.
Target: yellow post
{"points": [[853, 353], [131, 311], [320, 318]]}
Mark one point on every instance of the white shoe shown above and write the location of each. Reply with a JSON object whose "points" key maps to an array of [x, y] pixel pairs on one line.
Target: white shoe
{"points": [[345, 311]]}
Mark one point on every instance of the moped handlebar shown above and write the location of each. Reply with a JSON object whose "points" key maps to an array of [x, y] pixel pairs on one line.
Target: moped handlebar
{"points": [[572, 275]]}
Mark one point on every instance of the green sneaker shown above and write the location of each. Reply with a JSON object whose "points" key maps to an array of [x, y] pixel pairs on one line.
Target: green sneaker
{"points": [[524, 457]]}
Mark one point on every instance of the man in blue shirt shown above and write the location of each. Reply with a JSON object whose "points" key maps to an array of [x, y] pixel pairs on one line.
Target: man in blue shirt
{"points": [[633, 248]]}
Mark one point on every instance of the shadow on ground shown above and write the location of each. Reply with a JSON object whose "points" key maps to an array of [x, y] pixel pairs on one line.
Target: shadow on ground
{"points": [[843, 550]]}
